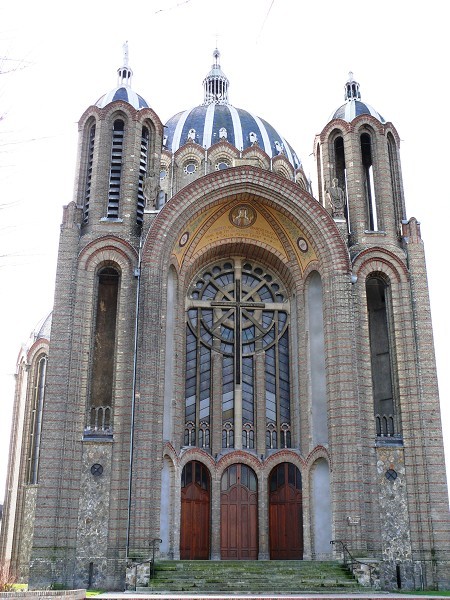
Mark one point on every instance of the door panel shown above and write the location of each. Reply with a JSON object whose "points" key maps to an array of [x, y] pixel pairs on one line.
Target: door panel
{"points": [[285, 513], [195, 512], [239, 514]]}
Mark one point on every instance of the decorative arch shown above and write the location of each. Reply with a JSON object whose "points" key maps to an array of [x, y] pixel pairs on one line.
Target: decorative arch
{"points": [[209, 192]]}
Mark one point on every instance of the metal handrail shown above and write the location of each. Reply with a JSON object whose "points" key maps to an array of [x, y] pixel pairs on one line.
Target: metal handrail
{"points": [[353, 560], [152, 545]]}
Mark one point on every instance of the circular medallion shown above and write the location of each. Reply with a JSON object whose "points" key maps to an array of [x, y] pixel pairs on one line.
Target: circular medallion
{"points": [[242, 216], [302, 244], [184, 239]]}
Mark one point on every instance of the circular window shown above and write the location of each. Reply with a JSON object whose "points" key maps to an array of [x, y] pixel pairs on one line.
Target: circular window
{"points": [[391, 475], [190, 168], [96, 470], [163, 174], [221, 165]]}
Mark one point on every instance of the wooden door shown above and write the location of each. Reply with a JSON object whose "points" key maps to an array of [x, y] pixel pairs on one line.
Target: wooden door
{"points": [[239, 514], [285, 513], [195, 512]]}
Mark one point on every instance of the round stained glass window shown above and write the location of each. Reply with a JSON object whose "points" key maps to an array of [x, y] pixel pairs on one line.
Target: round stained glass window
{"points": [[221, 165], [190, 168]]}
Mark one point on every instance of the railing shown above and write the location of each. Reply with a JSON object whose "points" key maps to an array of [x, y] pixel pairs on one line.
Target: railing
{"points": [[150, 560], [152, 545], [350, 561]]}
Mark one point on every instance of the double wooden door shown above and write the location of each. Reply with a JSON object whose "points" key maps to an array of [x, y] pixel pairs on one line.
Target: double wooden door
{"points": [[239, 514], [195, 512], [285, 513]]}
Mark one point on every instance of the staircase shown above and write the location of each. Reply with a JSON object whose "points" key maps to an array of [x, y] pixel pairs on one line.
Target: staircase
{"points": [[250, 577]]}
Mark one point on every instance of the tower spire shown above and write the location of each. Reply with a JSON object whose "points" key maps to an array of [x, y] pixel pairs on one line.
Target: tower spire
{"points": [[124, 73], [352, 88], [215, 84]]}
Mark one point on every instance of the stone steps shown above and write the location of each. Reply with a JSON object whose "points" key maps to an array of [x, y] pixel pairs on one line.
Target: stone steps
{"points": [[234, 577]]}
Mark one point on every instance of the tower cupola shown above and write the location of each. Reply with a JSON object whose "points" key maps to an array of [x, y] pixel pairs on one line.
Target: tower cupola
{"points": [[354, 106], [123, 89]]}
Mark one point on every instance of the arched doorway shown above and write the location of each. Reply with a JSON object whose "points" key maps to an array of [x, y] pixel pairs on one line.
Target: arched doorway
{"points": [[195, 512], [285, 513], [239, 514]]}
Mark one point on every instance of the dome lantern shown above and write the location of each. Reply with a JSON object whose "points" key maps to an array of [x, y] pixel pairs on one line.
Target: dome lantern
{"points": [[352, 89], [353, 106], [124, 73], [216, 83]]}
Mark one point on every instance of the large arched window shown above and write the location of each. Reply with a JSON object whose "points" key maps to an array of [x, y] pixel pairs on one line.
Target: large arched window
{"points": [[101, 392], [237, 333], [378, 309], [37, 407]]}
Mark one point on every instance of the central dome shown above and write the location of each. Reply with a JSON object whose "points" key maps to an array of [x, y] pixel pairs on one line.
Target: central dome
{"points": [[216, 120]]}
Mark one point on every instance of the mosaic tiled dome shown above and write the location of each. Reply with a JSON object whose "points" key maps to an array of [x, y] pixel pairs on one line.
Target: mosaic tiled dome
{"points": [[217, 119]]}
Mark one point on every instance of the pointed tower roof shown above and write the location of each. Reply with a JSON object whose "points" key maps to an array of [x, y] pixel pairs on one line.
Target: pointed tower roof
{"points": [[123, 89], [353, 106]]}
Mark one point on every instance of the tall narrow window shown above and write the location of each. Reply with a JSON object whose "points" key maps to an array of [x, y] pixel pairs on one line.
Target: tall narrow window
{"points": [[143, 165], [89, 166], [394, 167], [37, 406], [369, 187], [341, 172], [101, 395], [381, 358], [240, 311], [115, 173]]}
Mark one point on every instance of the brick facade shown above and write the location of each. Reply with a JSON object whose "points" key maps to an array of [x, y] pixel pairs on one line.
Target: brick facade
{"points": [[104, 493]]}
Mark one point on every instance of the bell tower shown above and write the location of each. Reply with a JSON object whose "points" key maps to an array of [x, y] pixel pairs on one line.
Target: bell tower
{"points": [[359, 172]]}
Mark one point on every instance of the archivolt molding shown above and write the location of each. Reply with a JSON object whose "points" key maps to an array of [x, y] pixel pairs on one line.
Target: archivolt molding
{"points": [[238, 456], [355, 125], [294, 207], [40, 345], [282, 456], [121, 109], [380, 260], [318, 452], [108, 249]]}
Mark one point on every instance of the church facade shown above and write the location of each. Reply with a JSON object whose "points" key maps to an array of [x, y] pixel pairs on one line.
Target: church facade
{"points": [[232, 367]]}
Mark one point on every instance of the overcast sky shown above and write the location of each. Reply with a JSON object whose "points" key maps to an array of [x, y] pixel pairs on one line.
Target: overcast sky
{"points": [[287, 62]]}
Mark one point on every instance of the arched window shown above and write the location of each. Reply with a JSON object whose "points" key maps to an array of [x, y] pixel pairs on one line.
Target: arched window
{"points": [[89, 167], [394, 166], [239, 313], [143, 165], [369, 186], [37, 406], [101, 393], [341, 171], [115, 173], [381, 356]]}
